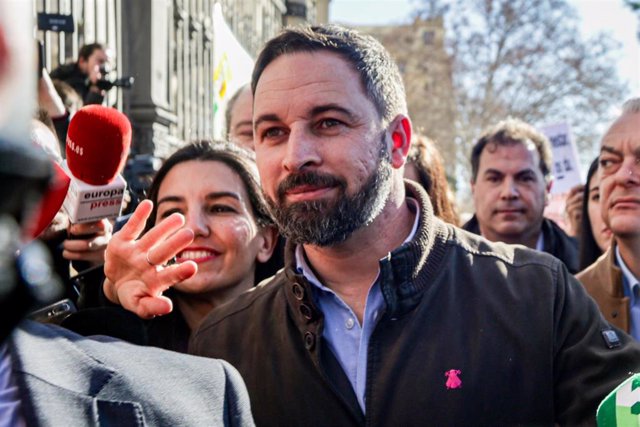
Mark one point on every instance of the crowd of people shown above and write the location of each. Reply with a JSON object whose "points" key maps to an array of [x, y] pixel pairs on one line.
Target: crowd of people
{"points": [[319, 253]]}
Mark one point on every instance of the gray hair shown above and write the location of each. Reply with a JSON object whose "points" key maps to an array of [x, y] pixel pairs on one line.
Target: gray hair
{"points": [[631, 106]]}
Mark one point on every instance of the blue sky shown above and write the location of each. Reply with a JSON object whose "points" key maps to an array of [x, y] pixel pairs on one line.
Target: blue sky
{"points": [[598, 15]]}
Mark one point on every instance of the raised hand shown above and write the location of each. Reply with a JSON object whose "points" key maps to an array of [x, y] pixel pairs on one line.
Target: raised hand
{"points": [[135, 268]]}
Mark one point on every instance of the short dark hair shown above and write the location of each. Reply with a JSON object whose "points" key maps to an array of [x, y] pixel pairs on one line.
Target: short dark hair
{"points": [[240, 160], [87, 50], [510, 132], [379, 74]]}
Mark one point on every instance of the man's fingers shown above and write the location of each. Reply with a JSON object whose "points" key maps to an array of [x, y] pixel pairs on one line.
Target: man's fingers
{"points": [[160, 232], [135, 225], [163, 252]]}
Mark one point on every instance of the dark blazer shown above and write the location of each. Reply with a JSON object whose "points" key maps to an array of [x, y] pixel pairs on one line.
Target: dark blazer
{"points": [[66, 379]]}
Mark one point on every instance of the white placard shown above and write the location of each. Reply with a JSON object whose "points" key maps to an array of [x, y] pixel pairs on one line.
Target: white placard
{"points": [[565, 167]]}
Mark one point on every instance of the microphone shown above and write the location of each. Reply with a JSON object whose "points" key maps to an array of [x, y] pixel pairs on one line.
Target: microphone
{"points": [[50, 203], [97, 147]]}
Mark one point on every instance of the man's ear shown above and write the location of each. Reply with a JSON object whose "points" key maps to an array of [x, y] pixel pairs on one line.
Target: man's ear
{"points": [[268, 244], [400, 130], [5, 54], [547, 193]]}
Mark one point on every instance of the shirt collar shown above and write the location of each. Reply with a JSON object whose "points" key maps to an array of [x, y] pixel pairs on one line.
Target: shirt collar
{"points": [[630, 281], [540, 242], [304, 268]]}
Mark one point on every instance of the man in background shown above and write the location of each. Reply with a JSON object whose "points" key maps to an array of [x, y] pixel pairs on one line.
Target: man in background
{"points": [[84, 74], [613, 279], [510, 181], [239, 117]]}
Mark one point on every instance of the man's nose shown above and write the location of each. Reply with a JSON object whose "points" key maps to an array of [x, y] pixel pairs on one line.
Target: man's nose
{"points": [[629, 171], [509, 189], [302, 150]]}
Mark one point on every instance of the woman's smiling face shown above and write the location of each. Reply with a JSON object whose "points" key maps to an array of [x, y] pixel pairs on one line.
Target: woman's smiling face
{"points": [[216, 206]]}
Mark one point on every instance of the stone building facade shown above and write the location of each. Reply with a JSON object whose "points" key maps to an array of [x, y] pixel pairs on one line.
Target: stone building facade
{"points": [[419, 50], [168, 47]]}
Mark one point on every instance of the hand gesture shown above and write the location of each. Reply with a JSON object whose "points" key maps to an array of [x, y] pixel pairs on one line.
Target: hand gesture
{"points": [[135, 267]]}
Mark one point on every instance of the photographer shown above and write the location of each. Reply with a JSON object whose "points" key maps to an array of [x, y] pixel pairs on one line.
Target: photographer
{"points": [[85, 74]]}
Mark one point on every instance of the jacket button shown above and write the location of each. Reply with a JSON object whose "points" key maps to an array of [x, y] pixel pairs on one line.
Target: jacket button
{"points": [[614, 314], [298, 291], [306, 312], [309, 340]]}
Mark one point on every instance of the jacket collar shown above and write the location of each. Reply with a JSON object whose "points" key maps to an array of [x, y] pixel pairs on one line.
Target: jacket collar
{"points": [[556, 241], [404, 274], [609, 272]]}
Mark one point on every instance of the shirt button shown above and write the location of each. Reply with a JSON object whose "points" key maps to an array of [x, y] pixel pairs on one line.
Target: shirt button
{"points": [[349, 323]]}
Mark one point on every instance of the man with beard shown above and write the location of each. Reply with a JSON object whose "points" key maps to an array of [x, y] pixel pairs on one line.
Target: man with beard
{"points": [[511, 180], [383, 314]]}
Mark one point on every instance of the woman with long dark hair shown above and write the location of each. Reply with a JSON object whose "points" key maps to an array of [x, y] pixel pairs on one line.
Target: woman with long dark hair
{"points": [[594, 235], [215, 187]]}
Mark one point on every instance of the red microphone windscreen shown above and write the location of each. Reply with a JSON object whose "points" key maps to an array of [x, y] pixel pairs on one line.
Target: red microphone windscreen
{"points": [[51, 201], [98, 142]]}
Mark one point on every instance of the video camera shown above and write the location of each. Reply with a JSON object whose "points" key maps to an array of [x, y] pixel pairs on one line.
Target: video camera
{"points": [[139, 172], [105, 84]]}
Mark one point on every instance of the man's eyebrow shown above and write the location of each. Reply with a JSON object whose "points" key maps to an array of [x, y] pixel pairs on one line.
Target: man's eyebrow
{"points": [[265, 118], [243, 123], [332, 107], [493, 171], [319, 109], [611, 150], [526, 172]]}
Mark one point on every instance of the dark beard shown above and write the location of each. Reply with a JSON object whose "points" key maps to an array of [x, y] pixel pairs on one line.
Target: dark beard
{"points": [[328, 222]]}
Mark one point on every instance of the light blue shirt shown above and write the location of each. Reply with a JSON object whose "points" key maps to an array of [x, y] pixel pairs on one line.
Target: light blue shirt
{"points": [[10, 413], [631, 289], [347, 339], [540, 243]]}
